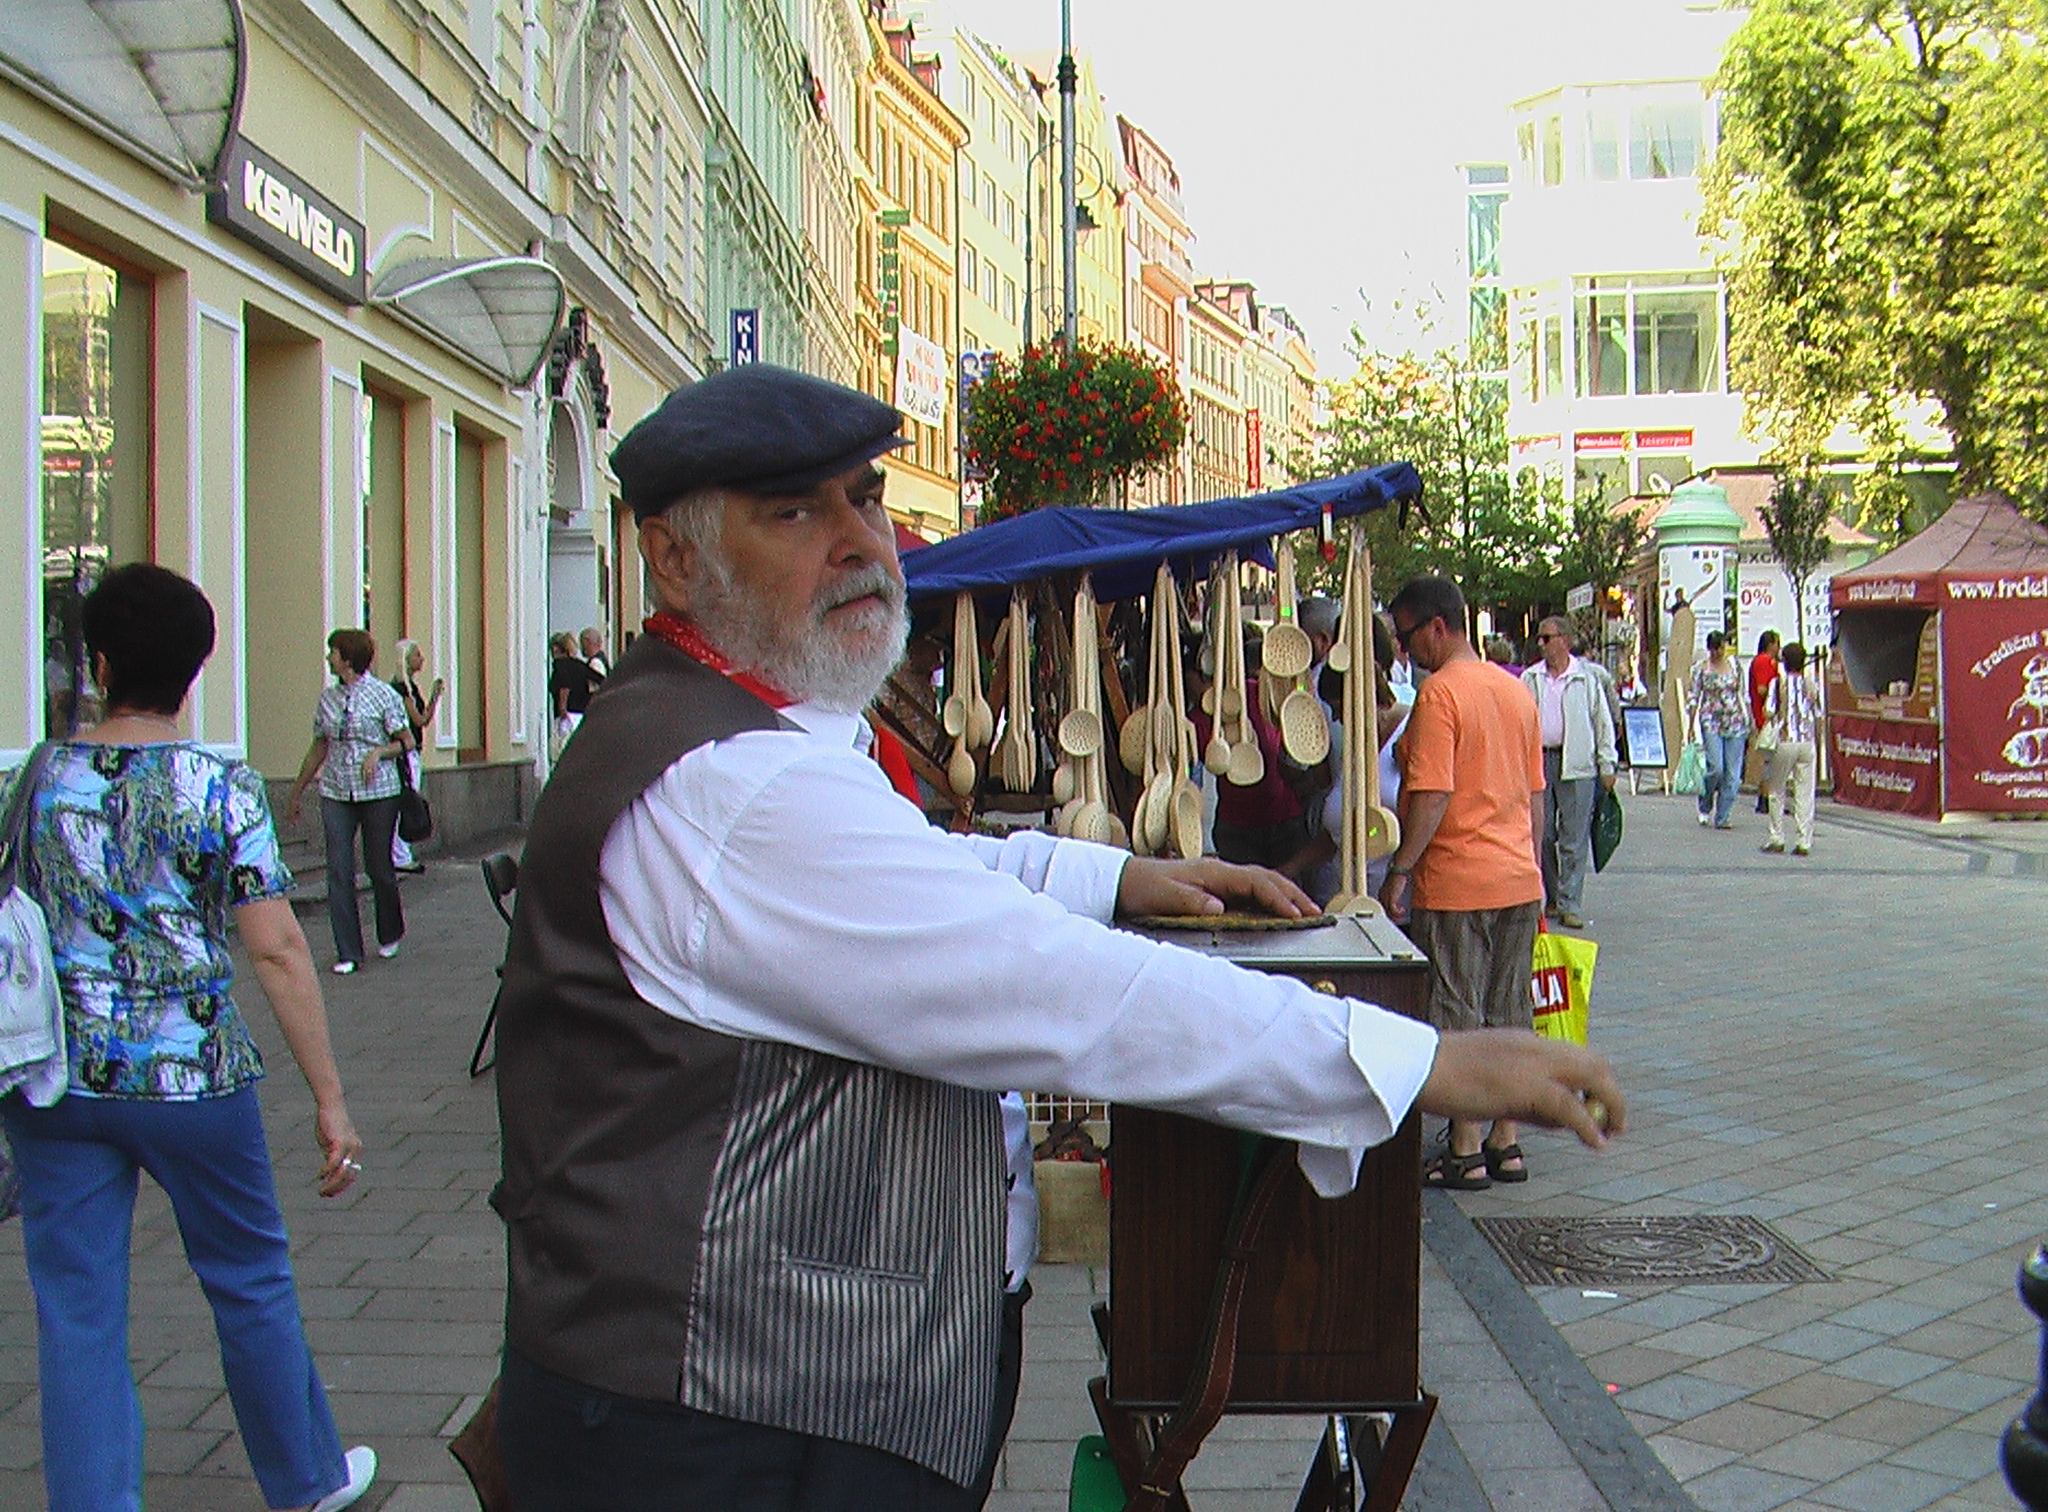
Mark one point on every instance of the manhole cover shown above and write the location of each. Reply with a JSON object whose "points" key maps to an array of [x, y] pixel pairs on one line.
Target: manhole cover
{"points": [[1653, 1251]]}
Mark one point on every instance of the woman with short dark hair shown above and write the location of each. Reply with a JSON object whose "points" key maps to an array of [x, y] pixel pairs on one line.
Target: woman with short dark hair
{"points": [[1720, 712], [359, 733], [140, 847]]}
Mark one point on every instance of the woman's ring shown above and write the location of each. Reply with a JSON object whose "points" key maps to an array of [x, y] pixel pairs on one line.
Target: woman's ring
{"points": [[351, 1165]]}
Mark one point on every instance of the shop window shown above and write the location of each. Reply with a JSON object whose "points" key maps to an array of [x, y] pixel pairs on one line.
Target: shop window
{"points": [[1675, 347], [1881, 649], [97, 338], [1553, 355], [1660, 472], [470, 597], [384, 558], [1602, 479], [1664, 141], [1603, 344]]}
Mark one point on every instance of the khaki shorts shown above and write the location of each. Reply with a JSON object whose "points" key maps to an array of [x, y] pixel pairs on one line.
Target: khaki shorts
{"points": [[1479, 964]]}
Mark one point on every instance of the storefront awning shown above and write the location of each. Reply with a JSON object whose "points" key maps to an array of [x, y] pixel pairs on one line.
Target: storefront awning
{"points": [[499, 312], [162, 80]]}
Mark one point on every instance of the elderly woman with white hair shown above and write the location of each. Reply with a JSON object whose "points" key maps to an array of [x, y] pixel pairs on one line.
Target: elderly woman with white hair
{"points": [[419, 713]]}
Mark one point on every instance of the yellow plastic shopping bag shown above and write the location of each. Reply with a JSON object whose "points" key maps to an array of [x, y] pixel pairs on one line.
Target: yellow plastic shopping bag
{"points": [[1563, 985]]}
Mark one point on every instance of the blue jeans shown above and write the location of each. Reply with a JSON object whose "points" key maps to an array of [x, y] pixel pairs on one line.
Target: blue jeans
{"points": [[1724, 773], [79, 1161], [378, 820]]}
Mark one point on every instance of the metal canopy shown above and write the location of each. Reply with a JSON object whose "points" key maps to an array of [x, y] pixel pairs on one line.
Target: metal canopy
{"points": [[498, 312], [160, 78]]}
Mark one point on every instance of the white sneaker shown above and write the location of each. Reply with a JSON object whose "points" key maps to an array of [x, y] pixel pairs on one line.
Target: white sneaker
{"points": [[362, 1469], [1705, 821], [388, 951], [344, 968]]}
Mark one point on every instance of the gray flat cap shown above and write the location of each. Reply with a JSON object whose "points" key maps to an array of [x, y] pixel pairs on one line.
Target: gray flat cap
{"points": [[760, 428]]}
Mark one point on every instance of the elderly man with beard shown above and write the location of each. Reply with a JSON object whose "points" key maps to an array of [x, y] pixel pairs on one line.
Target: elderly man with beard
{"points": [[757, 1012]]}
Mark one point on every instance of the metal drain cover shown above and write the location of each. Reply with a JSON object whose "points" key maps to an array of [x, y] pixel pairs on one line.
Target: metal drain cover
{"points": [[1647, 1251]]}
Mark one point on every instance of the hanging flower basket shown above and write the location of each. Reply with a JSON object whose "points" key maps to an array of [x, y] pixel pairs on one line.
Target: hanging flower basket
{"points": [[1063, 425]]}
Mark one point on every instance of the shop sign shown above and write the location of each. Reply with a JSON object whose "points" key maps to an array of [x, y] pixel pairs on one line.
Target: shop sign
{"points": [[1888, 764], [1664, 440], [974, 366], [1994, 661], [746, 337], [1600, 441], [1578, 600], [920, 377], [270, 207], [1254, 449]]}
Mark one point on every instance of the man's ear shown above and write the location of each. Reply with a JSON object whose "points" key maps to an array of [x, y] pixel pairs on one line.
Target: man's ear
{"points": [[670, 560]]}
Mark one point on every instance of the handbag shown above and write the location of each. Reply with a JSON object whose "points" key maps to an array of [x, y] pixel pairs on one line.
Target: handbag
{"points": [[415, 816], [1561, 984], [1767, 733], [1691, 775], [31, 1006]]}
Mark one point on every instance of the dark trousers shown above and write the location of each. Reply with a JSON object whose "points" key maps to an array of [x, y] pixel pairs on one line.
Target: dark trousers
{"points": [[378, 821], [568, 1447]]}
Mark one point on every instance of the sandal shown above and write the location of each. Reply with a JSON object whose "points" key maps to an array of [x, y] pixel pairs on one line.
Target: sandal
{"points": [[1497, 1158], [1457, 1173]]}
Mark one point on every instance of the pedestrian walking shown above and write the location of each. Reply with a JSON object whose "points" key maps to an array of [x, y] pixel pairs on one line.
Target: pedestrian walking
{"points": [[141, 846], [570, 684], [1720, 713], [591, 644], [419, 713], [359, 733], [1579, 757], [1793, 707], [754, 1184], [1763, 671], [1466, 878]]}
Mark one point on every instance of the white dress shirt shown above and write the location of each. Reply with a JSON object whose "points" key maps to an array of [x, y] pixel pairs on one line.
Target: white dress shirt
{"points": [[773, 886]]}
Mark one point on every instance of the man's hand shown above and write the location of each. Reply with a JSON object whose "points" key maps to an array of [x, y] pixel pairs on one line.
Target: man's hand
{"points": [[1511, 1073], [1397, 894], [1177, 889], [1607, 780]]}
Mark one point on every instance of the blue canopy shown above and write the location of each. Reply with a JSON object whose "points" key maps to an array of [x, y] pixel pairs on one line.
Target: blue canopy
{"points": [[1123, 548]]}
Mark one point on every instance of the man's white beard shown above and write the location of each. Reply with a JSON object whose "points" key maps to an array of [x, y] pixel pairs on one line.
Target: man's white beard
{"points": [[840, 667]]}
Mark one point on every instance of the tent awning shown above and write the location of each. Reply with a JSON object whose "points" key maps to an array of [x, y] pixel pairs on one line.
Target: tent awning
{"points": [[162, 80], [1982, 537], [498, 312], [1123, 548]]}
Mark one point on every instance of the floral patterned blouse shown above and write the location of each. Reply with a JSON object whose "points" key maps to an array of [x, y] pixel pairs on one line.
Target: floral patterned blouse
{"points": [[1720, 701], [137, 853]]}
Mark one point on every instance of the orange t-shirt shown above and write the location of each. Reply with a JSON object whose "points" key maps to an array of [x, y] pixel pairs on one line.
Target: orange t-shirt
{"points": [[1474, 735]]}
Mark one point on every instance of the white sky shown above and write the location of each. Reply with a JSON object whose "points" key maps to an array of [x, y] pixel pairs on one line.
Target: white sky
{"points": [[1317, 140]]}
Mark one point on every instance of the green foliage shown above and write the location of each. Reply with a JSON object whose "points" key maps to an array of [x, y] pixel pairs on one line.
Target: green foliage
{"points": [[1497, 536], [1796, 520], [1061, 425], [1883, 189]]}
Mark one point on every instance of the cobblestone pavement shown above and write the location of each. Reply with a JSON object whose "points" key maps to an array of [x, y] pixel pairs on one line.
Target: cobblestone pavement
{"points": [[1850, 1047]]}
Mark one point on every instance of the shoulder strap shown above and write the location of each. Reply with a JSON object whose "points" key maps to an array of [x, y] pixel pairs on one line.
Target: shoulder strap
{"points": [[15, 824]]}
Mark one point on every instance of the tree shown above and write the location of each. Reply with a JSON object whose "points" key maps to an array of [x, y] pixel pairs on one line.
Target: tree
{"points": [[1600, 544], [1495, 535], [1881, 185], [1796, 520]]}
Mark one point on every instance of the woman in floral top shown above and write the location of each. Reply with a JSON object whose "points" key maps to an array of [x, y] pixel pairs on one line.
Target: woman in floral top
{"points": [[1720, 712], [140, 848]]}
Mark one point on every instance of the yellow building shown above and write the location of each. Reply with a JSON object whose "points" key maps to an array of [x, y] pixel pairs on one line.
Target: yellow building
{"points": [[370, 380], [1216, 409], [910, 143]]}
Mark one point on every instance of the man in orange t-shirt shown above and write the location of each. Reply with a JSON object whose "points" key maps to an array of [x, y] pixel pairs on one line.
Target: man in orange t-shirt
{"points": [[1466, 880]]}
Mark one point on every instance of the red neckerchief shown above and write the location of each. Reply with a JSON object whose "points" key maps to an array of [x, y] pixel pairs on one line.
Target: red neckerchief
{"points": [[689, 640]]}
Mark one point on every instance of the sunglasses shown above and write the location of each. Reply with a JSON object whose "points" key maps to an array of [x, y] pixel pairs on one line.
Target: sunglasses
{"points": [[1402, 637]]}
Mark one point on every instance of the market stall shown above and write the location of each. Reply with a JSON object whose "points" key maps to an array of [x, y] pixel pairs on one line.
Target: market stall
{"points": [[1938, 680]]}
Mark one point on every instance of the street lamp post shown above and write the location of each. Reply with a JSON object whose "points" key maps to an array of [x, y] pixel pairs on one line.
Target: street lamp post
{"points": [[1070, 233]]}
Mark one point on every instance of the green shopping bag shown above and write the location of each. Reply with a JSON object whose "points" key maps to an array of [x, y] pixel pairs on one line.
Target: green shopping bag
{"points": [[1606, 828], [1691, 776]]}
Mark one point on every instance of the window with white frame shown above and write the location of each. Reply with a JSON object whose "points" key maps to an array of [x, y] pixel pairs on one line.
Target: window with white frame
{"points": [[1664, 140], [1649, 335]]}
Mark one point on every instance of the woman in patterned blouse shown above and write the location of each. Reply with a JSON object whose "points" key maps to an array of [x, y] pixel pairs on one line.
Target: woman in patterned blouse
{"points": [[360, 732], [1720, 712], [141, 847]]}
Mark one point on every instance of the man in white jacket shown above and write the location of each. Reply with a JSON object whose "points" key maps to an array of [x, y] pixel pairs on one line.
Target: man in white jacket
{"points": [[1578, 750]]}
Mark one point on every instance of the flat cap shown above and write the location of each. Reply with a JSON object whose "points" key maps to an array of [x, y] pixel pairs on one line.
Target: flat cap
{"points": [[761, 428]]}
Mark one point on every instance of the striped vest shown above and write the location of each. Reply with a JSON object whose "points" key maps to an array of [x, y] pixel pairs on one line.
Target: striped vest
{"points": [[744, 1227]]}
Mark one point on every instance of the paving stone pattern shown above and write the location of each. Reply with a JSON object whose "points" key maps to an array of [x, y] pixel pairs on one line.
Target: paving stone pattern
{"points": [[1851, 1047]]}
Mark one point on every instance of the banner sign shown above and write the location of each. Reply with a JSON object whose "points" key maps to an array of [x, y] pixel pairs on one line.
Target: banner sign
{"points": [[746, 337], [1887, 764], [1994, 662], [1254, 449], [974, 366], [272, 208], [920, 377]]}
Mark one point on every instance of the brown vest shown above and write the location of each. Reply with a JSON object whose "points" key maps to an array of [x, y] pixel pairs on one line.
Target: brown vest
{"points": [[745, 1227]]}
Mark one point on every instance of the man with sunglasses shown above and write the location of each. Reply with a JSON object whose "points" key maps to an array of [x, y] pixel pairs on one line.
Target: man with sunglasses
{"points": [[1466, 880]]}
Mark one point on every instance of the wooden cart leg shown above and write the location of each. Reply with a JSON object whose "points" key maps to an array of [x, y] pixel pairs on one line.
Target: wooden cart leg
{"points": [[1398, 1456], [1331, 1485], [1131, 1437]]}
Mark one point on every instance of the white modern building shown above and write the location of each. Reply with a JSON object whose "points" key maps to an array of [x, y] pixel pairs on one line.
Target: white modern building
{"points": [[1617, 318]]}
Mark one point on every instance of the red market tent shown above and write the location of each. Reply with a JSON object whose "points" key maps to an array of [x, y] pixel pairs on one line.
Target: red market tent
{"points": [[1938, 685]]}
